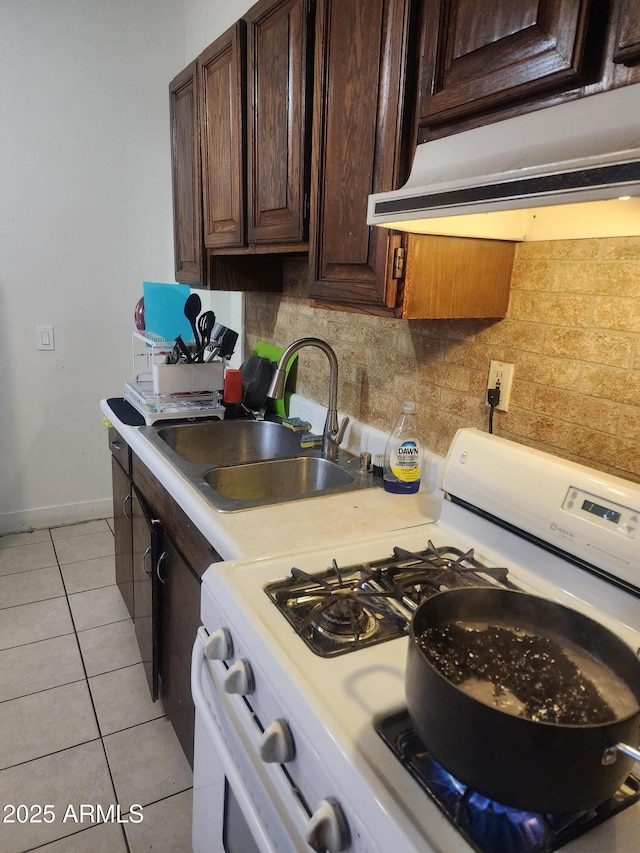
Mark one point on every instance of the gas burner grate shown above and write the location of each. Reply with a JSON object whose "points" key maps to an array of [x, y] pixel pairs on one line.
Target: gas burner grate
{"points": [[338, 610], [345, 609]]}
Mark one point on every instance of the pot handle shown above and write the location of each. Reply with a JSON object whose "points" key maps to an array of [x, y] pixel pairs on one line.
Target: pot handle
{"points": [[610, 754]]}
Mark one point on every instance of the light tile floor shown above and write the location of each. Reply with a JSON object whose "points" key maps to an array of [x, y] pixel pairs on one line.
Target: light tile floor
{"points": [[77, 724]]}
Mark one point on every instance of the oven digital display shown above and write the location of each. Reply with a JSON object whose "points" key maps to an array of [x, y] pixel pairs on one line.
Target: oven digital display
{"points": [[602, 511]]}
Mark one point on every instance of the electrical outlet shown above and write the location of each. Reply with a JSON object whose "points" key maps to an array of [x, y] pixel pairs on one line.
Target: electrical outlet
{"points": [[501, 373]]}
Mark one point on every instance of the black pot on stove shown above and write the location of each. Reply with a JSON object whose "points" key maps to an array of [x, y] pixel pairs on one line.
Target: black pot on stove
{"points": [[530, 764]]}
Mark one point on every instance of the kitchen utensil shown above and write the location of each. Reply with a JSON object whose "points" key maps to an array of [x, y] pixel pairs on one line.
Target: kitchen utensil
{"points": [[227, 343], [164, 310], [184, 349], [138, 314], [191, 310], [256, 378], [539, 766], [206, 324]]}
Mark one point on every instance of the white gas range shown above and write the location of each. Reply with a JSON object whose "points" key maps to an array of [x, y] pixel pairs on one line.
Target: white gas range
{"points": [[296, 743]]}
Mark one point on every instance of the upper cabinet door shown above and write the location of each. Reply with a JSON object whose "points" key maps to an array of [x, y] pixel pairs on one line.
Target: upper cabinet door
{"points": [[221, 84], [185, 172], [361, 56], [278, 118], [479, 55], [627, 44]]}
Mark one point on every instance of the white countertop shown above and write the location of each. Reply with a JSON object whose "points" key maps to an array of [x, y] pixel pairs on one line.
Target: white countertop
{"points": [[277, 529]]}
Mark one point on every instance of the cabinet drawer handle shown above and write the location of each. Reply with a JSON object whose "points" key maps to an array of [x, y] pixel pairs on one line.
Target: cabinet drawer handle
{"points": [[124, 507], [161, 559], [116, 445], [144, 557]]}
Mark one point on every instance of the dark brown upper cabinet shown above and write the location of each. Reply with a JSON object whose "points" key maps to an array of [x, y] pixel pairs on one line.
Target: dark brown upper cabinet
{"points": [[186, 177], [221, 81], [279, 48], [627, 42], [359, 124], [481, 55]]}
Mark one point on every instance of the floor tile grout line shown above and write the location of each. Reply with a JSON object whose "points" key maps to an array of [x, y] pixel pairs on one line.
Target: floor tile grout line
{"points": [[42, 689], [87, 680], [37, 601], [49, 754], [91, 699], [72, 835], [28, 571]]}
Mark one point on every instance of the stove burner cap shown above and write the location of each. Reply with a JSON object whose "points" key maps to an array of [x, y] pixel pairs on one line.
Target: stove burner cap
{"points": [[346, 619]]}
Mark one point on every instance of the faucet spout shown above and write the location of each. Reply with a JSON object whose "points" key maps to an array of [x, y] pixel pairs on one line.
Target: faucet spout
{"points": [[332, 434]]}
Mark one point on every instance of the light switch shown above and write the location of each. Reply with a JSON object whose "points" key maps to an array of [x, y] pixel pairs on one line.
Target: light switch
{"points": [[44, 338]]}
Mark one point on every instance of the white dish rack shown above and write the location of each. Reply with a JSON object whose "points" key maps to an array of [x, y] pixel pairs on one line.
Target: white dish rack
{"points": [[163, 391]]}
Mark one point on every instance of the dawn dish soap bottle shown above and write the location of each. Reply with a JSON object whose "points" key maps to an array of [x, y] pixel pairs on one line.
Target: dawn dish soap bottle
{"points": [[403, 454]]}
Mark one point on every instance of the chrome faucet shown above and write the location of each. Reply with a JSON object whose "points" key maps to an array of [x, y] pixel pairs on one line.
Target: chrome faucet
{"points": [[332, 434]]}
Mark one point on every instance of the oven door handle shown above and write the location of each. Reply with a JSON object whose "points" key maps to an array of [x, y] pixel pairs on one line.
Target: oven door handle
{"points": [[245, 801]]}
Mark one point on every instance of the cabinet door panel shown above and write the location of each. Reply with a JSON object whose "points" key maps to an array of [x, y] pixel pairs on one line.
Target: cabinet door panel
{"points": [[627, 47], [186, 180], [482, 55], [277, 121], [361, 51], [221, 84], [146, 605], [122, 532], [180, 608]]}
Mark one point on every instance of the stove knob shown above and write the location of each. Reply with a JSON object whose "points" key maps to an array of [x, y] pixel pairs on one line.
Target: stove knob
{"points": [[239, 678], [276, 745], [328, 829], [219, 645]]}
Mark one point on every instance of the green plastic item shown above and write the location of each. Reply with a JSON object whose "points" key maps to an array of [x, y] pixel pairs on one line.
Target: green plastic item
{"points": [[273, 353]]}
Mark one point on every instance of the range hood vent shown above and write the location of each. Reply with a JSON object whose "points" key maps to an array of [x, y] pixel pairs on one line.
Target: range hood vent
{"points": [[557, 173]]}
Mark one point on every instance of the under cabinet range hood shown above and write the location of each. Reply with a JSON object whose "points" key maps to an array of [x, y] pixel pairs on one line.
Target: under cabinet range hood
{"points": [[565, 172]]}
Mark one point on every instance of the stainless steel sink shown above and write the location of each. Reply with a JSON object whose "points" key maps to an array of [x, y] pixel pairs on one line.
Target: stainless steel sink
{"points": [[239, 465], [277, 480], [229, 442]]}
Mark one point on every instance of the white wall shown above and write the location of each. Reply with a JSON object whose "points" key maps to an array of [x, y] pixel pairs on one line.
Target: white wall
{"points": [[207, 19], [85, 217]]}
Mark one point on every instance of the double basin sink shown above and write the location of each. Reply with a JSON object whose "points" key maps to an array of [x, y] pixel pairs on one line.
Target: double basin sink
{"points": [[243, 464]]}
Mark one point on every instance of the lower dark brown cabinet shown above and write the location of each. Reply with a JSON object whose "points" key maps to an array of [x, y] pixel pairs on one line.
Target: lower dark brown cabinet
{"points": [[179, 594], [146, 540]]}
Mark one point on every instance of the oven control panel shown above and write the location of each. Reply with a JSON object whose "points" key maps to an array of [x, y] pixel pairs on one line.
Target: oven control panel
{"points": [[589, 514], [602, 511]]}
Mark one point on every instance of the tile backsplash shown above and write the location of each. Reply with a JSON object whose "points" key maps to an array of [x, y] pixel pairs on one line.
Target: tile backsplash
{"points": [[572, 331]]}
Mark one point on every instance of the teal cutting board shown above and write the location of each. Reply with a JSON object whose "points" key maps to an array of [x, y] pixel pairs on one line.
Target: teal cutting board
{"points": [[164, 310]]}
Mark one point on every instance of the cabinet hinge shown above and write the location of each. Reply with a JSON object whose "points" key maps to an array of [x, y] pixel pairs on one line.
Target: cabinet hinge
{"points": [[398, 263]]}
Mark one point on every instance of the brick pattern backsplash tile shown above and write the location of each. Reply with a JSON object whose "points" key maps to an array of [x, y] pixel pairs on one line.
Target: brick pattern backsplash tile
{"points": [[572, 331]]}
